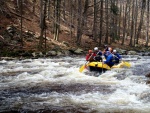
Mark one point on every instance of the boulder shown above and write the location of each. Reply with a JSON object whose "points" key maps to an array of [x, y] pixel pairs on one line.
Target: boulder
{"points": [[37, 54], [147, 75], [51, 53], [78, 51], [59, 53], [132, 53]]}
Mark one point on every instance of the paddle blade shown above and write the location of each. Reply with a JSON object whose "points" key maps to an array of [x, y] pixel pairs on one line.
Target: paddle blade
{"points": [[82, 68], [127, 64]]}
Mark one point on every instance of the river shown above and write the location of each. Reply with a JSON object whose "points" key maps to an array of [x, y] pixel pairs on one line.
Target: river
{"points": [[55, 85]]}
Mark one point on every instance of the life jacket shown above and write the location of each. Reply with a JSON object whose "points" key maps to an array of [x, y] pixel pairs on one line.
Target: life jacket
{"points": [[98, 56], [116, 58], [109, 61], [89, 57]]}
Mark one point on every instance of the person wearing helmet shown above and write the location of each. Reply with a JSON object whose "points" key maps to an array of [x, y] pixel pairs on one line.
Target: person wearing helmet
{"points": [[106, 48], [116, 56], [106, 53], [109, 60], [95, 48], [109, 57], [89, 56], [97, 54]]}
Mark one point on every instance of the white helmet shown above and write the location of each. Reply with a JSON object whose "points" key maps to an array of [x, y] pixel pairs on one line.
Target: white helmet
{"points": [[114, 51], [95, 48]]}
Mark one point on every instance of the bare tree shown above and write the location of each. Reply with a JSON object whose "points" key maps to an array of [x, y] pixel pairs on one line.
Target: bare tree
{"points": [[147, 24], [42, 22], [34, 3], [95, 20], [101, 22], [135, 21], [107, 21], [132, 23], [21, 11], [119, 20], [49, 9], [114, 13], [57, 18], [141, 20], [125, 21], [79, 31]]}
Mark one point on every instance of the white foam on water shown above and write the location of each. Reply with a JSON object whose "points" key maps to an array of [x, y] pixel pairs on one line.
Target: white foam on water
{"points": [[125, 96]]}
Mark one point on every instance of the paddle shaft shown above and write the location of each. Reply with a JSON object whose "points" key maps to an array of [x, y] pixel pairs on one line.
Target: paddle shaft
{"points": [[126, 63], [83, 66]]}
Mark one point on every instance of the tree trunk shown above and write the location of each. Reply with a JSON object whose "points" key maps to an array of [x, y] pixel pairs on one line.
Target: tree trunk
{"points": [[147, 25], [95, 21], [71, 18], [101, 23], [18, 4], [141, 20], [107, 22], [42, 23], [135, 23], [49, 7], [33, 9], [85, 13], [79, 32], [57, 23], [64, 9], [113, 25], [21, 8], [119, 26], [124, 22], [128, 20], [132, 24]]}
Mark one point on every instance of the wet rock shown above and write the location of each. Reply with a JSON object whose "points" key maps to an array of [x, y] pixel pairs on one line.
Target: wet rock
{"points": [[78, 51], [147, 54], [121, 51], [7, 58], [132, 53], [148, 82], [26, 54], [51, 53], [59, 53], [147, 75], [37, 54], [11, 30], [66, 52]]}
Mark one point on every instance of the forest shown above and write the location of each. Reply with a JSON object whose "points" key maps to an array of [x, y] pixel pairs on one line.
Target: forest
{"points": [[80, 23]]}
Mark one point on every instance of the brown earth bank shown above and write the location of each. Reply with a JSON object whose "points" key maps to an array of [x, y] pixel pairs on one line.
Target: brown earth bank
{"points": [[10, 40]]}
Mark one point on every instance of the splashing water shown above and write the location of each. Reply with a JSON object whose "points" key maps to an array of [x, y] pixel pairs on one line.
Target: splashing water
{"points": [[56, 85]]}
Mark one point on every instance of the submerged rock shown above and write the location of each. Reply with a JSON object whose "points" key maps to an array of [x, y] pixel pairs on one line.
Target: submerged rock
{"points": [[147, 75]]}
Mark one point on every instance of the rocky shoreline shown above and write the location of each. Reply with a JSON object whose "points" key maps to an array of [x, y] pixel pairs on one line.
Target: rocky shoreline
{"points": [[10, 44]]}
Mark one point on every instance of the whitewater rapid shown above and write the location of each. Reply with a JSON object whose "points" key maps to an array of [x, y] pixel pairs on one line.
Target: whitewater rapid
{"points": [[56, 85]]}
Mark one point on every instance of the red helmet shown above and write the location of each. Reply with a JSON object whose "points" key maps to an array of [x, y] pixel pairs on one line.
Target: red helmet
{"points": [[90, 51]]}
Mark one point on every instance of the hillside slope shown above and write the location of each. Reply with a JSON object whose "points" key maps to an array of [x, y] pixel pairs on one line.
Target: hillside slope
{"points": [[10, 40]]}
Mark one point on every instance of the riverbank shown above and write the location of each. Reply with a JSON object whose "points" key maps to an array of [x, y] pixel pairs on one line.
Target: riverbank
{"points": [[12, 46]]}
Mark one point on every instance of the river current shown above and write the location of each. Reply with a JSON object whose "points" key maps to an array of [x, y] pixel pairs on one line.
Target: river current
{"points": [[55, 85]]}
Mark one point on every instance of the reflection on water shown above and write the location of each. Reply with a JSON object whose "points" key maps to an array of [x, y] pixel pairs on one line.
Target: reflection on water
{"points": [[57, 86]]}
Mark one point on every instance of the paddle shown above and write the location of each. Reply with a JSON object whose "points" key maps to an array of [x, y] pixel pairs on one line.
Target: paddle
{"points": [[82, 67], [85, 65], [127, 64]]}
